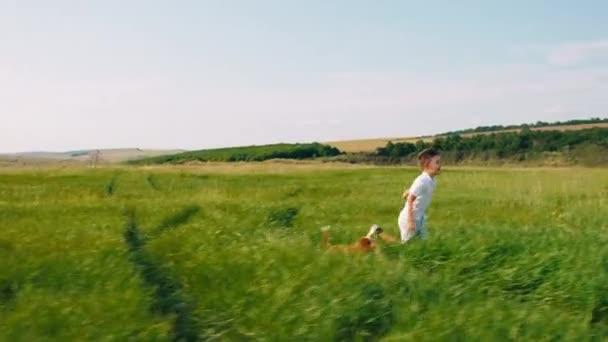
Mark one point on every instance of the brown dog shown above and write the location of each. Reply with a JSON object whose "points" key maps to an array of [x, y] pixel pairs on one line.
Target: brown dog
{"points": [[364, 244]]}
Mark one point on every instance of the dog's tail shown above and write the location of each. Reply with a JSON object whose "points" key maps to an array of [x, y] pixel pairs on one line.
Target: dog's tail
{"points": [[325, 237]]}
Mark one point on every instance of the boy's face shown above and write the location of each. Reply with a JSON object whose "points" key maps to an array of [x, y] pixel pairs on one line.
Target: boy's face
{"points": [[433, 166]]}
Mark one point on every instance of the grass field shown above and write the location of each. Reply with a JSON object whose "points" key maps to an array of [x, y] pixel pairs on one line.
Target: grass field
{"points": [[232, 253]]}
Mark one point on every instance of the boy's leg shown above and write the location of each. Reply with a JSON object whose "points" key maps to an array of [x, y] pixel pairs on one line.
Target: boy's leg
{"points": [[422, 232], [406, 235]]}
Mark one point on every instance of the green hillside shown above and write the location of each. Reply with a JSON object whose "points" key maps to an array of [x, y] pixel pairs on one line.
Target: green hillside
{"points": [[246, 153]]}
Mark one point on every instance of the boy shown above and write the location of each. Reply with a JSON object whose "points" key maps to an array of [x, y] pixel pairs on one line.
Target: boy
{"points": [[412, 218]]}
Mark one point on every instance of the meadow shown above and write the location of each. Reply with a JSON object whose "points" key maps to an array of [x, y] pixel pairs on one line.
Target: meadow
{"points": [[232, 253]]}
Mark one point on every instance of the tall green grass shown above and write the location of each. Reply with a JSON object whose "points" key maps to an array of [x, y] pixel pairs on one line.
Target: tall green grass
{"points": [[65, 271], [512, 255]]}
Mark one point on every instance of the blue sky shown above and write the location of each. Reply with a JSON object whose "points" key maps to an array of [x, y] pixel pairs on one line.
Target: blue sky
{"points": [[200, 74]]}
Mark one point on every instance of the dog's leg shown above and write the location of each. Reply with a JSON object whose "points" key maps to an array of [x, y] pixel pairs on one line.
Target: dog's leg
{"points": [[325, 238], [388, 238]]}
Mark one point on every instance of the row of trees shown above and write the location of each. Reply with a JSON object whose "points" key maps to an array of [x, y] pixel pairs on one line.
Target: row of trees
{"points": [[495, 128], [503, 144], [247, 153]]}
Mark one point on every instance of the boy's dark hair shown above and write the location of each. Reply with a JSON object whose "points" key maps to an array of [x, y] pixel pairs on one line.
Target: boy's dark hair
{"points": [[427, 154]]}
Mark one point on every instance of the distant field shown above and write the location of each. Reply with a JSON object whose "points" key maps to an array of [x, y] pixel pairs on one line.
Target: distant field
{"points": [[120, 155], [368, 145], [231, 252], [106, 156]]}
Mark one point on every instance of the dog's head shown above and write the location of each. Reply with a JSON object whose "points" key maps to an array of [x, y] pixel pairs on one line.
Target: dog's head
{"points": [[365, 243]]}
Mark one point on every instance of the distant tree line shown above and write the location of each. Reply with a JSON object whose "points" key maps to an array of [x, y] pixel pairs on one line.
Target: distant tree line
{"points": [[589, 146], [246, 153], [502, 145], [495, 128]]}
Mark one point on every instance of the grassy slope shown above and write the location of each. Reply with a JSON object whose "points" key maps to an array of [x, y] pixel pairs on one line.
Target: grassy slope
{"points": [[368, 145], [243, 153], [513, 254]]}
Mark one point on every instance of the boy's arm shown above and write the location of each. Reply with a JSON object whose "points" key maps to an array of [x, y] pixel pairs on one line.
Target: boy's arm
{"points": [[411, 224]]}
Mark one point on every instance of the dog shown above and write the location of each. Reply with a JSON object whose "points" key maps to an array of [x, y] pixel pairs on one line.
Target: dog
{"points": [[362, 245]]}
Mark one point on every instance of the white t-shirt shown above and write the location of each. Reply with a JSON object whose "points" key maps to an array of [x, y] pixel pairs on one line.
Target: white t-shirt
{"points": [[422, 187]]}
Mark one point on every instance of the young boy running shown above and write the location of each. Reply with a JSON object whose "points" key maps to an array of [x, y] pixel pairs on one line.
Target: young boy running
{"points": [[412, 219]]}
